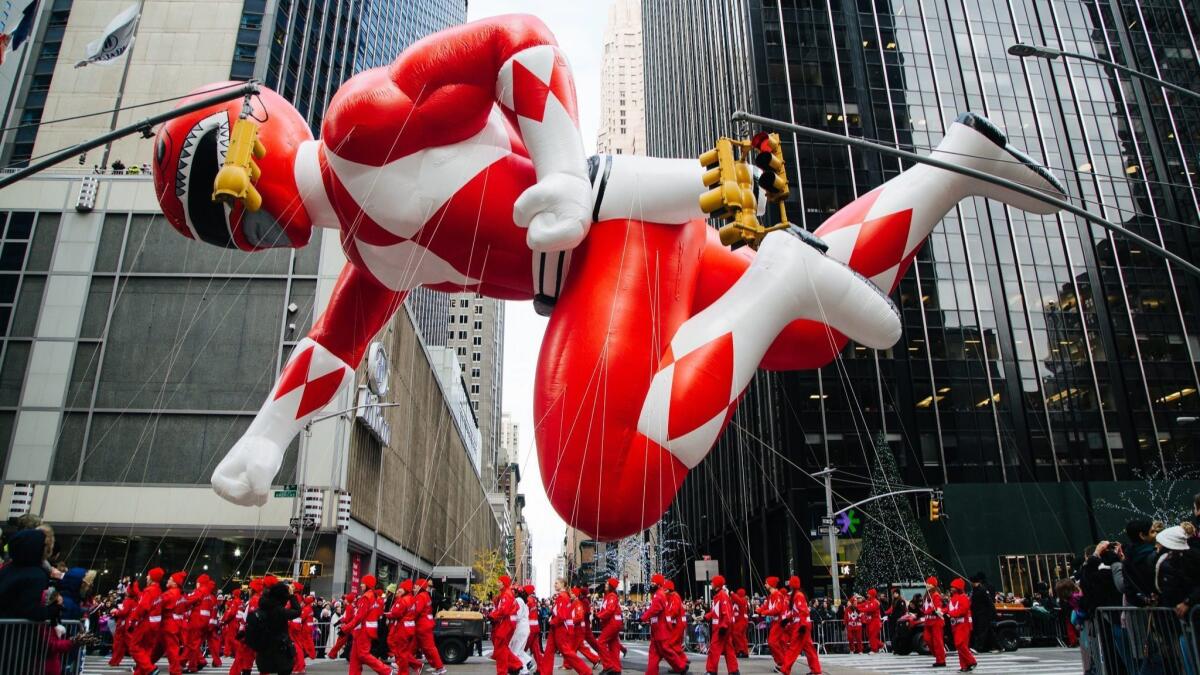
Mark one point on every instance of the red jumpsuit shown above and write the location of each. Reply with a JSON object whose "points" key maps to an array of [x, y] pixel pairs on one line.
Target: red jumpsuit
{"points": [[934, 627], [344, 634], [423, 610], [231, 622], [800, 640], [775, 609], [960, 625], [147, 632], [677, 621], [872, 620], [741, 623], [854, 627], [367, 611], [611, 623], [213, 635], [199, 606], [662, 636], [561, 639], [534, 645], [402, 629], [121, 633], [174, 625], [243, 658], [504, 624], [588, 646], [720, 616], [300, 630]]}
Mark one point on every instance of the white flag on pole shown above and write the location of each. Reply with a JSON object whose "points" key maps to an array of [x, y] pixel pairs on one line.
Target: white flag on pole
{"points": [[117, 39]]}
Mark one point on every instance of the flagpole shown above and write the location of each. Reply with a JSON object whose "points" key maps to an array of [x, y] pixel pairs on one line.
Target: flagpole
{"points": [[124, 76]]}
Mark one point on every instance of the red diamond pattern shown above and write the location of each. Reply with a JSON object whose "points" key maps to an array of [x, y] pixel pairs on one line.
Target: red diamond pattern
{"points": [[880, 243], [850, 214], [530, 93], [700, 386], [317, 392]]}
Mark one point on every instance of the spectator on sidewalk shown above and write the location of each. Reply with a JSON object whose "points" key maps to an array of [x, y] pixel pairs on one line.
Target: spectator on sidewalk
{"points": [[24, 579]]}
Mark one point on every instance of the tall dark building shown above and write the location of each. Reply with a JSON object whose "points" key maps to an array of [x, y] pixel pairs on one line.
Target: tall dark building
{"points": [[1046, 366]]}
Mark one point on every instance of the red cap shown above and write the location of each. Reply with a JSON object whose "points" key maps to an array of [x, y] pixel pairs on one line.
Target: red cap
{"points": [[310, 599], [741, 592], [256, 584], [718, 581], [237, 593], [270, 580], [297, 587], [351, 596], [505, 580], [529, 589], [773, 582], [657, 580], [155, 574], [369, 581], [203, 580], [872, 593], [931, 581], [613, 583], [794, 583], [575, 590], [422, 583], [958, 584], [406, 585], [669, 585], [179, 578]]}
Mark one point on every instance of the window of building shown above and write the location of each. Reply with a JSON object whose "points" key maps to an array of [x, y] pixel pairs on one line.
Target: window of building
{"points": [[462, 318], [474, 372], [474, 389], [478, 325], [475, 356], [462, 351], [462, 335], [479, 309], [477, 341]]}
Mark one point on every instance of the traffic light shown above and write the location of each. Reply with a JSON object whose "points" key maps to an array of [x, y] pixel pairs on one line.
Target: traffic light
{"points": [[310, 568], [235, 181], [724, 197], [732, 184], [935, 509], [769, 159]]}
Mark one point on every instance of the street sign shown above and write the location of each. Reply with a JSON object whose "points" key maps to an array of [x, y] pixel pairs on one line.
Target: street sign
{"points": [[286, 492], [707, 569], [826, 520], [826, 529]]}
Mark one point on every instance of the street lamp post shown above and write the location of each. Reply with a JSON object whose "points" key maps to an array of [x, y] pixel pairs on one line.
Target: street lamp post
{"points": [[1022, 50]]}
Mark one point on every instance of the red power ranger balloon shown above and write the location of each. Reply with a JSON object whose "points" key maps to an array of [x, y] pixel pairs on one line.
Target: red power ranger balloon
{"points": [[460, 167]]}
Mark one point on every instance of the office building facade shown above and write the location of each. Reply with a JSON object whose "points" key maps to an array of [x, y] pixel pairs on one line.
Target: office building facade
{"points": [[622, 104], [133, 358], [1046, 366]]}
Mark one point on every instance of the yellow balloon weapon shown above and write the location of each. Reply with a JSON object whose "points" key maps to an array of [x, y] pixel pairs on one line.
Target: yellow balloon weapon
{"points": [[235, 181]]}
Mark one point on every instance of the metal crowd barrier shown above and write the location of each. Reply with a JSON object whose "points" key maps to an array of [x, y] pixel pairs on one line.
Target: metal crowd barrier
{"points": [[1119, 640], [25, 647]]}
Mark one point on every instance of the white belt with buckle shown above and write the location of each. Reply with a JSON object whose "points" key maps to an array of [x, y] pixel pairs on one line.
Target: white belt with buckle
{"points": [[410, 624], [155, 618], [205, 612], [297, 620], [371, 624]]}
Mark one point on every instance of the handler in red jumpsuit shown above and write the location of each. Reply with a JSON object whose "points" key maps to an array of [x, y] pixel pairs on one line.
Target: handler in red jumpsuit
{"points": [[774, 607], [561, 638], [365, 628], [676, 619], [402, 628], [504, 624], [297, 628], [231, 623], [212, 635], [800, 640], [423, 608], [582, 621], [344, 635], [741, 623], [720, 617], [661, 634], [174, 624], [933, 624], [243, 656], [588, 646], [611, 623], [147, 619], [534, 645], [960, 624], [872, 620], [200, 604], [121, 616], [853, 618]]}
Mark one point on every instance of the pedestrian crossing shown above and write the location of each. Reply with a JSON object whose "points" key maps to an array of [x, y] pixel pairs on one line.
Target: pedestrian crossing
{"points": [[1012, 663]]}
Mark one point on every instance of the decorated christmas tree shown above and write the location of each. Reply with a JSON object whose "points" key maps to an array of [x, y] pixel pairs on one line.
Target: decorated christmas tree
{"points": [[893, 546]]}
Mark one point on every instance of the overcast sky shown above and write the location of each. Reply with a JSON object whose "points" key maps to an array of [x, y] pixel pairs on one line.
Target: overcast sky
{"points": [[579, 28]]}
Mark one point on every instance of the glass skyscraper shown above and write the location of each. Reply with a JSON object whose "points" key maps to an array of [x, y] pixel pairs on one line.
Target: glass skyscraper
{"points": [[1046, 366]]}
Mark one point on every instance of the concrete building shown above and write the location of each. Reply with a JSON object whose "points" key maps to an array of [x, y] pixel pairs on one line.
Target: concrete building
{"points": [[133, 358], [510, 439], [622, 103], [475, 331], [1044, 366]]}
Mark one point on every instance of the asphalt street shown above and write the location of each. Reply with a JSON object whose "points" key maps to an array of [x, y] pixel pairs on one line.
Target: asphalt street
{"points": [[1022, 662]]}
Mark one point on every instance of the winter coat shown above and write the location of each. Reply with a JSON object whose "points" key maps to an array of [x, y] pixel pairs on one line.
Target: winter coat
{"points": [[23, 580], [1097, 584], [1177, 578], [70, 586]]}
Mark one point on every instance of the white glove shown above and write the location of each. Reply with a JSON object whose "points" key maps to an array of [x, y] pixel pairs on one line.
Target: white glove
{"points": [[557, 211]]}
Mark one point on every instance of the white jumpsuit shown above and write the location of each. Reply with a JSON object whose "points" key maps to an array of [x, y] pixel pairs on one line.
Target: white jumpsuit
{"points": [[520, 638]]}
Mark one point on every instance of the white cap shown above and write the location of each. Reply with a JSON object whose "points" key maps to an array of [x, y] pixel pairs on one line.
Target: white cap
{"points": [[1174, 538]]}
